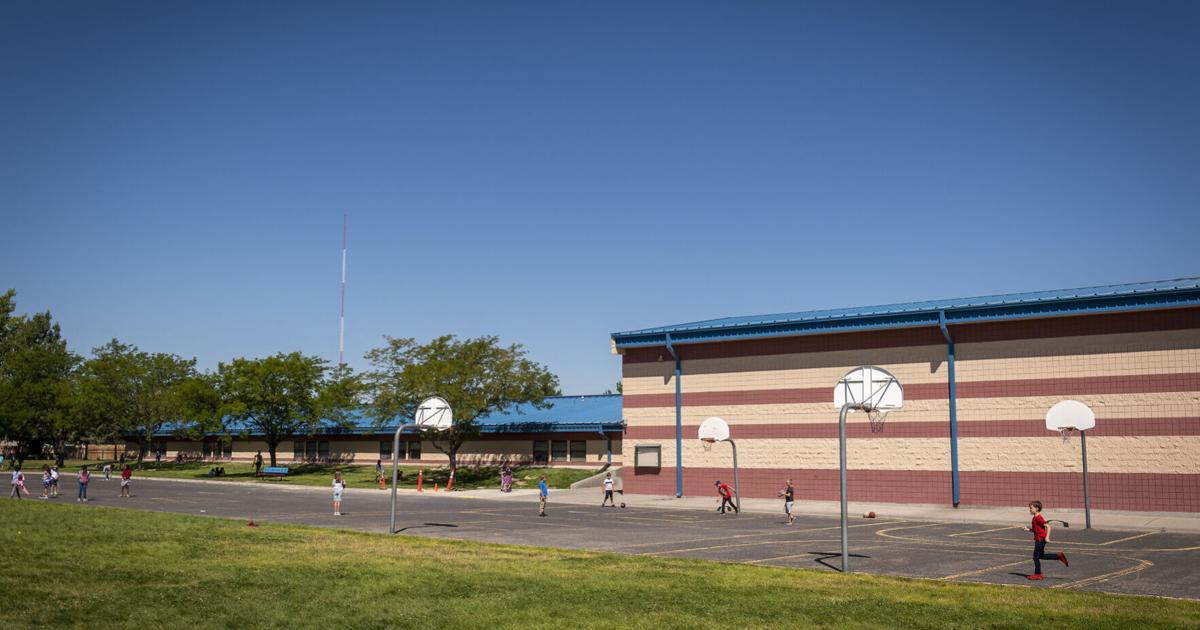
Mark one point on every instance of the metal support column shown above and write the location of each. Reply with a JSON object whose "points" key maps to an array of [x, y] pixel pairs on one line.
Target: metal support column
{"points": [[1087, 499], [678, 421], [737, 486], [842, 480], [955, 493]]}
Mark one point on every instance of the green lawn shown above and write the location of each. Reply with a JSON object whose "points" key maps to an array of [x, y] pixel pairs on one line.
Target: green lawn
{"points": [[71, 566], [357, 475]]}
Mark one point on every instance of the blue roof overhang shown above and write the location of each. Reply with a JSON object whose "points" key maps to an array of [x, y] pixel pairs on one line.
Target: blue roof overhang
{"points": [[963, 311]]}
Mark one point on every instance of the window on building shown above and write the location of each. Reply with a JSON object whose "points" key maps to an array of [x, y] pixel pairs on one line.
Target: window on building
{"points": [[227, 449], [414, 450], [647, 456], [322, 450], [541, 451], [558, 450], [207, 449], [578, 450], [385, 450], [298, 450]]}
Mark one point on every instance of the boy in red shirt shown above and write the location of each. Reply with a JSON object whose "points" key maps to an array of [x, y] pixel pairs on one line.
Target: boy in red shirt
{"points": [[726, 494], [1041, 536]]}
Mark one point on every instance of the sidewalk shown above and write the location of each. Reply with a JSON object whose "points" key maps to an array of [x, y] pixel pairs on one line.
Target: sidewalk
{"points": [[1179, 522]]}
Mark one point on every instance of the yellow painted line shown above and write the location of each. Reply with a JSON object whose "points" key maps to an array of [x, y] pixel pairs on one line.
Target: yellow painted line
{"points": [[985, 531], [1140, 566], [810, 555], [987, 570], [1120, 540], [754, 535], [787, 541]]}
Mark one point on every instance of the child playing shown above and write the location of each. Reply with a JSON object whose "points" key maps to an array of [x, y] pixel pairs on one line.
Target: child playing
{"points": [[45, 482], [1041, 536], [54, 481], [126, 480], [18, 483], [84, 478], [339, 485]]}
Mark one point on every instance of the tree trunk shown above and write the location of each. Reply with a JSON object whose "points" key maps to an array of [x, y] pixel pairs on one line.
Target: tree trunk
{"points": [[271, 446]]}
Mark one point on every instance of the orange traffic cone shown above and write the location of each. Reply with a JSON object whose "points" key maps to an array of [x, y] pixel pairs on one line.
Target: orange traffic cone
{"points": [[420, 480], [435, 487], [382, 483], [450, 484]]}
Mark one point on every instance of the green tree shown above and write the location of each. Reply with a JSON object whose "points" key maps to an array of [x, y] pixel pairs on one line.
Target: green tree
{"points": [[476, 376], [131, 393], [35, 373], [285, 395]]}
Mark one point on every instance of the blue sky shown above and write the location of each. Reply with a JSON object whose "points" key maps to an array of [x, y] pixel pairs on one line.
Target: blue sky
{"points": [[174, 174]]}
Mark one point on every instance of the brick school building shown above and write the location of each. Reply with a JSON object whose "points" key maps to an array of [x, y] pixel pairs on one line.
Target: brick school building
{"points": [[978, 374]]}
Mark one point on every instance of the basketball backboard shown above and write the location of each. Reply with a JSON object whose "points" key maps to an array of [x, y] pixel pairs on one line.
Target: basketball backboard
{"points": [[714, 430], [870, 388], [1070, 414], [434, 413]]}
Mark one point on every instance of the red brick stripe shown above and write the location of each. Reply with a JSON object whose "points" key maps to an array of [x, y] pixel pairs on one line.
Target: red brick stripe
{"points": [[1106, 427], [1076, 326], [1110, 491], [1119, 384]]}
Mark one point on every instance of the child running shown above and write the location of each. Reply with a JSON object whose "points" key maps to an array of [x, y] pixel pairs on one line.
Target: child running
{"points": [[339, 485], [84, 478], [1041, 536]]}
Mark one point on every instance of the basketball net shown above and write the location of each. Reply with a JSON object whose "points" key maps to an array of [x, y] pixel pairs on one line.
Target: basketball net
{"points": [[707, 443], [1066, 434], [876, 417]]}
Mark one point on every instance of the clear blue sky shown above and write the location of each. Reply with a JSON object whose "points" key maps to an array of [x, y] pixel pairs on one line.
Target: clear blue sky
{"points": [[174, 174]]}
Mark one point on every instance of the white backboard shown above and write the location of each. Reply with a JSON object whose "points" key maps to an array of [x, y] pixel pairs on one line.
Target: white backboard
{"points": [[714, 429], [1070, 414], [868, 387], [434, 413]]}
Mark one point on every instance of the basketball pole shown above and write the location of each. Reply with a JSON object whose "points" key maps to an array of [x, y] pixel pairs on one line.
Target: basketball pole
{"points": [[737, 487], [842, 480], [1087, 502]]}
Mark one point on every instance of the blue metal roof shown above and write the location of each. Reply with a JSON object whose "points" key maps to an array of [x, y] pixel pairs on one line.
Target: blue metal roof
{"points": [[1109, 298], [565, 414]]}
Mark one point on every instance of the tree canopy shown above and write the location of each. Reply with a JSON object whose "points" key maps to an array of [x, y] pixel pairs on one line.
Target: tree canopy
{"points": [[476, 376], [284, 395]]}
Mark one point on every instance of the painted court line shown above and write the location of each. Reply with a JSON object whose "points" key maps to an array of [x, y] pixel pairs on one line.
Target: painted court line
{"points": [[987, 570], [1140, 566], [985, 531], [811, 554]]}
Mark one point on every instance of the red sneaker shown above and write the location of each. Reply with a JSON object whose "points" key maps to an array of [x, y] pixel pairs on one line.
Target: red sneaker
{"points": [[1062, 557], [1035, 576]]}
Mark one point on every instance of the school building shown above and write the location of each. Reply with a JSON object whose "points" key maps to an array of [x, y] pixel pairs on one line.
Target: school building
{"points": [[583, 431], [978, 374]]}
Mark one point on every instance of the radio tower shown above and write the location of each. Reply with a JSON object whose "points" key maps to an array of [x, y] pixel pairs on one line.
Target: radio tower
{"points": [[342, 319]]}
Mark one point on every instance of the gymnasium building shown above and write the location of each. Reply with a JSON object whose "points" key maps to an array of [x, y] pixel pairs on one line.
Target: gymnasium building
{"points": [[582, 431], [978, 374]]}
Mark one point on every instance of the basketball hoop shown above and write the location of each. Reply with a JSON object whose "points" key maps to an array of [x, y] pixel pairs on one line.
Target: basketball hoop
{"points": [[707, 444], [1066, 434], [876, 417]]}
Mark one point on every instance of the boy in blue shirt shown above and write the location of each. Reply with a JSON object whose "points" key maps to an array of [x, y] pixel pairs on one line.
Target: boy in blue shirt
{"points": [[542, 492]]}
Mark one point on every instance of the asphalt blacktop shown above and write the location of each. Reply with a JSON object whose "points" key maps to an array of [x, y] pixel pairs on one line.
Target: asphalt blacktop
{"points": [[1124, 552]]}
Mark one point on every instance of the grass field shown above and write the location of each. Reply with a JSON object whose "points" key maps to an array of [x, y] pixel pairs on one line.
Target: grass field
{"points": [[71, 566], [357, 476]]}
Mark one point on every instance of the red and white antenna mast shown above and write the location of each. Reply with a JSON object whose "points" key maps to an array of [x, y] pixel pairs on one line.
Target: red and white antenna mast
{"points": [[342, 322]]}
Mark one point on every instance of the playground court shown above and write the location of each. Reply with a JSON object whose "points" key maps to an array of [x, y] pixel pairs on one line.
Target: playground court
{"points": [[1129, 562]]}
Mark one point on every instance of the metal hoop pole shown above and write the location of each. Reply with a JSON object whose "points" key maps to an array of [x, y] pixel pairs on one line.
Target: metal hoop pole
{"points": [[1087, 502], [395, 447], [842, 479], [737, 487]]}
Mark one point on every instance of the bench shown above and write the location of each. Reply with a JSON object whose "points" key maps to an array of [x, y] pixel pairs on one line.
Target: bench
{"points": [[273, 471]]}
